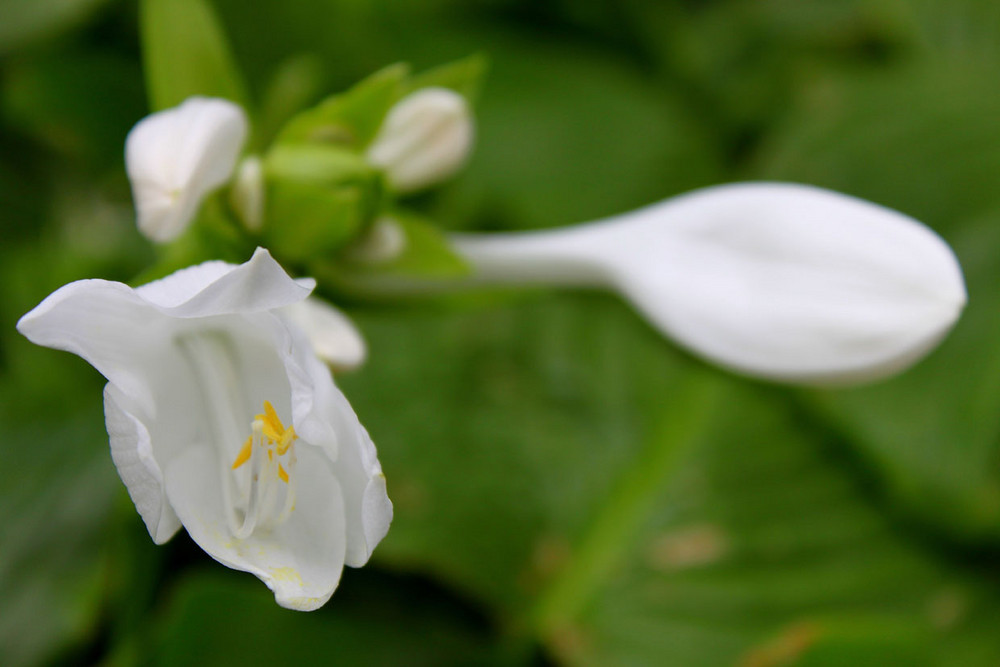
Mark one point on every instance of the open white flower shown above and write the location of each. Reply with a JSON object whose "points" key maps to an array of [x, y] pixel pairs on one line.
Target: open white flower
{"points": [[204, 372], [177, 156], [781, 281], [424, 139]]}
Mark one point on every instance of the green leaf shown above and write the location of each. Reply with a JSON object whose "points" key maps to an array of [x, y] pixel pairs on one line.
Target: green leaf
{"points": [[25, 21], [352, 118], [464, 76], [185, 53], [603, 495], [53, 569], [79, 104], [296, 82], [230, 618]]}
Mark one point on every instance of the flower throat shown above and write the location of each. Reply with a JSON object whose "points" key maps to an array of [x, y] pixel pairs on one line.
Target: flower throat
{"points": [[259, 484]]}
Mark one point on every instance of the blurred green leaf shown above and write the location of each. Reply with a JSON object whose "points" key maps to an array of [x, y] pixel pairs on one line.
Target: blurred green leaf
{"points": [[351, 118], [79, 105], [564, 467], [55, 497], [230, 618], [25, 21], [465, 76], [295, 83], [185, 53]]}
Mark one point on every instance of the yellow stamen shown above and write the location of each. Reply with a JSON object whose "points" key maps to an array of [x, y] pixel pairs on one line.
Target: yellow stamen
{"points": [[282, 474], [286, 440], [244, 454], [274, 431]]}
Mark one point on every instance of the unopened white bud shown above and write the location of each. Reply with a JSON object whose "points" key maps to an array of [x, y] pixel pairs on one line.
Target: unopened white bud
{"points": [[781, 281], [333, 336], [384, 241], [177, 156], [424, 139], [247, 195]]}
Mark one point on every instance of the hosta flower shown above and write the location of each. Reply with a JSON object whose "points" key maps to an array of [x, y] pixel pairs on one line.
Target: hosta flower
{"points": [[781, 281], [223, 420], [424, 139], [177, 156]]}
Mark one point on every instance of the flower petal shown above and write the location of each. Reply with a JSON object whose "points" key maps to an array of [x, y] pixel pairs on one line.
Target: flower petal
{"points": [[177, 156], [323, 417], [123, 332], [217, 288], [132, 452], [300, 560], [333, 336]]}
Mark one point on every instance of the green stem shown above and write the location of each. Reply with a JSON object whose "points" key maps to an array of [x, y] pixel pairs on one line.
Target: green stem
{"points": [[611, 534]]}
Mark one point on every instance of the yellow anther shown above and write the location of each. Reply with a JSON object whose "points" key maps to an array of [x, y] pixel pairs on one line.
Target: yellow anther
{"points": [[286, 440], [244, 454], [276, 434], [282, 474], [275, 430]]}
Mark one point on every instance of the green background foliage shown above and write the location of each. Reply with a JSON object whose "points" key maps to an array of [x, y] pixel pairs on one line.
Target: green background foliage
{"points": [[569, 487]]}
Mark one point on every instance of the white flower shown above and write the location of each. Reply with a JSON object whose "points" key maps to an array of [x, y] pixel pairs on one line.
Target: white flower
{"points": [[221, 419], [782, 281], [424, 139], [177, 156]]}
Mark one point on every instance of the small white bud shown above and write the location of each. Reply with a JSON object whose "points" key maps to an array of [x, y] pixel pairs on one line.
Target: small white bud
{"points": [[781, 281], [383, 242], [333, 336], [424, 139], [177, 156], [247, 195]]}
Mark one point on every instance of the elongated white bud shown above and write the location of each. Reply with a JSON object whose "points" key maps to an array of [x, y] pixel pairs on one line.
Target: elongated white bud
{"points": [[780, 281], [424, 139], [177, 156]]}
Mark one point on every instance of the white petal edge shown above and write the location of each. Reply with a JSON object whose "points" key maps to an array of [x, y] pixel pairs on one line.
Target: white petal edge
{"points": [[132, 453], [323, 417]]}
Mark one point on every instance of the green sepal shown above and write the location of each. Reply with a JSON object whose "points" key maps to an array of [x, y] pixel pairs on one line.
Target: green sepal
{"points": [[185, 53], [349, 119], [316, 163], [306, 219], [426, 259], [464, 76]]}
